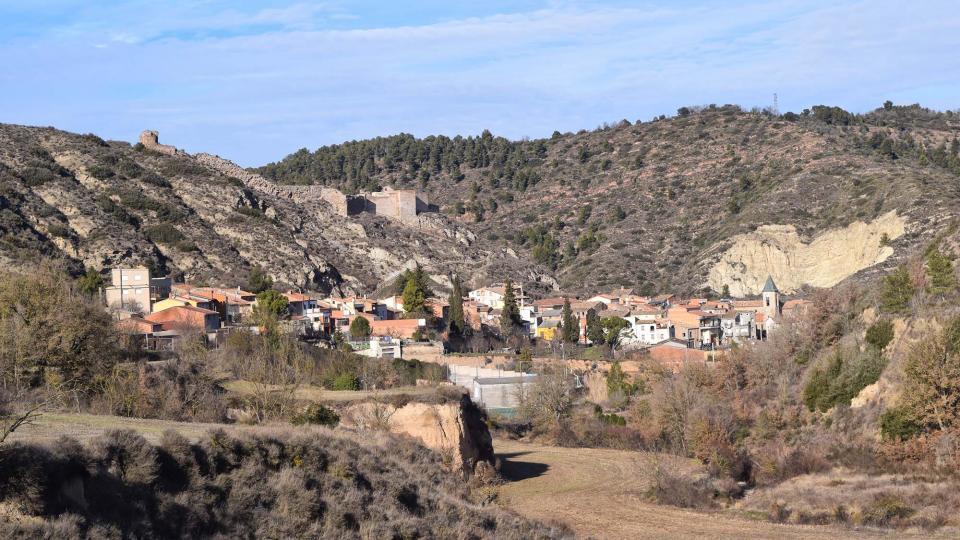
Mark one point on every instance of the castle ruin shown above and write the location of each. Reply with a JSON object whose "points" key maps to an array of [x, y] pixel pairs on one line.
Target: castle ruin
{"points": [[151, 141]]}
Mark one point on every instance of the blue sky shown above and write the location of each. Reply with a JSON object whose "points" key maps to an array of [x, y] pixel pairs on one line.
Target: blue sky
{"points": [[254, 81]]}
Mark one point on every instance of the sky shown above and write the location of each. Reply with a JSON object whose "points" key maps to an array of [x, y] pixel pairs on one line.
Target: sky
{"points": [[253, 81]]}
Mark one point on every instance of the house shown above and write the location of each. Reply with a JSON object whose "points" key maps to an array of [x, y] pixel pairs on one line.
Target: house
{"points": [[185, 300], [493, 296], [129, 289], [737, 326], [547, 329], [555, 302], [606, 299], [795, 308], [694, 326], [647, 330], [186, 318], [384, 347], [401, 328], [674, 355]]}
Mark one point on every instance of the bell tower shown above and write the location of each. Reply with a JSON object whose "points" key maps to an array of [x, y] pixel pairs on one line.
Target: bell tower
{"points": [[771, 298]]}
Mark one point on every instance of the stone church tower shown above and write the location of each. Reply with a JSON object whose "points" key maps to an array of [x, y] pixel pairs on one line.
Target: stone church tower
{"points": [[771, 299]]}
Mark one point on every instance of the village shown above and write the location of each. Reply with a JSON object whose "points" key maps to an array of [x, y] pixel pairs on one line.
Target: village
{"points": [[155, 313]]}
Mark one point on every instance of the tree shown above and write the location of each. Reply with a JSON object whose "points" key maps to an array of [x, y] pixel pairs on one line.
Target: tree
{"points": [[617, 380], [457, 325], [259, 281], [931, 394], [270, 303], [940, 271], [594, 328], [90, 282], [415, 291], [570, 330], [413, 297], [898, 290], [510, 314], [525, 362], [360, 328], [613, 330], [550, 397], [725, 292], [51, 331]]}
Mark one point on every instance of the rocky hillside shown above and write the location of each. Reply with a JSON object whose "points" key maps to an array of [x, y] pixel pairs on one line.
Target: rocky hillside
{"points": [[712, 197], [99, 204]]}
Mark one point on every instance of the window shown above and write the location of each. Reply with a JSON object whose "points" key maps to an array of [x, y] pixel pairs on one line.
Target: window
{"points": [[767, 300]]}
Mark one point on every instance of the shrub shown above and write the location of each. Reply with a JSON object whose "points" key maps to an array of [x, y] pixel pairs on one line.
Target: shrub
{"points": [[164, 233], [315, 413], [59, 231], [846, 373], [880, 334], [36, 176], [896, 423], [898, 290], [100, 172], [885, 510], [345, 381]]}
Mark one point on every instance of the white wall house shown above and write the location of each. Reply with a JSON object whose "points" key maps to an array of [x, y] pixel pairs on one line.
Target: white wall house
{"points": [[129, 289], [648, 330]]}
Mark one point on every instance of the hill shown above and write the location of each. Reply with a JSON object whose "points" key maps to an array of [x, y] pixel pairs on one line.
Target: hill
{"points": [[715, 197], [681, 203], [101, 204]]}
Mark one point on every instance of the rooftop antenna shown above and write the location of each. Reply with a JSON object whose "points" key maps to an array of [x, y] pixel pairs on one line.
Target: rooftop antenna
{"points": [[776, 107]]}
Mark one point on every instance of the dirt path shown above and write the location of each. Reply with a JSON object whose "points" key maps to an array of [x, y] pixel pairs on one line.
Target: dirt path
{"points": [[599, 493]]}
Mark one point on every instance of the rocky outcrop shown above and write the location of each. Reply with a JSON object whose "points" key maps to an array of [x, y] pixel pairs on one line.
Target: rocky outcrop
{"points": [[456, 430], [778, 251]]}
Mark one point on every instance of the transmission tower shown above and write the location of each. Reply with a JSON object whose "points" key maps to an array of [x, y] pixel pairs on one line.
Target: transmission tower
{"points": [[776, 107]]}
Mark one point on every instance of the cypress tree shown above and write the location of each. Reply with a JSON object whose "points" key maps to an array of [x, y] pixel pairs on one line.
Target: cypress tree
{"points": [[510, 314], [571, 330], [457, 324], [594, 328]]}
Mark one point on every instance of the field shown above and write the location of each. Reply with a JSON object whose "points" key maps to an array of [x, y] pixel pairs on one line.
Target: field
{"points": [[600, 493]]}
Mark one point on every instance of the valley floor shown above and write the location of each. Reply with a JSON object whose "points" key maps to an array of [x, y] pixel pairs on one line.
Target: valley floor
{"points": [[599, 493]]}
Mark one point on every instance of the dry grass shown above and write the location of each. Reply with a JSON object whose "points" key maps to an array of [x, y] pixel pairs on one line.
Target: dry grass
{"points": [[322, 395], [602, 494], [856, 499], [255, 482]]}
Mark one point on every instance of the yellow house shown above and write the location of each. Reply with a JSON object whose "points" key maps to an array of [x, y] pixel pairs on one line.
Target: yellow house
{"points": [[547, 330], [175, 301], [168, 303]]}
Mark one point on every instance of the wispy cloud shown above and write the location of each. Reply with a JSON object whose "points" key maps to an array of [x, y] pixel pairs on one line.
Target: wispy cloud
{"points": [[254, 83]]}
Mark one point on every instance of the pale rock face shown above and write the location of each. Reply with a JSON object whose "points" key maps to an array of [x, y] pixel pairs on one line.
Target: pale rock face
{"points": [[449, 429], [778, 251]]}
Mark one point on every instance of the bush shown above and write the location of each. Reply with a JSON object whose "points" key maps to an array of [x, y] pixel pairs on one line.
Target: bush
{"points": [[59, 231], [317, 414], [36, 176], [880, 334], [345, 381], [164, 233], [280, 485], [846, 373], [896, 423], [100, 172], [886, 510]]}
